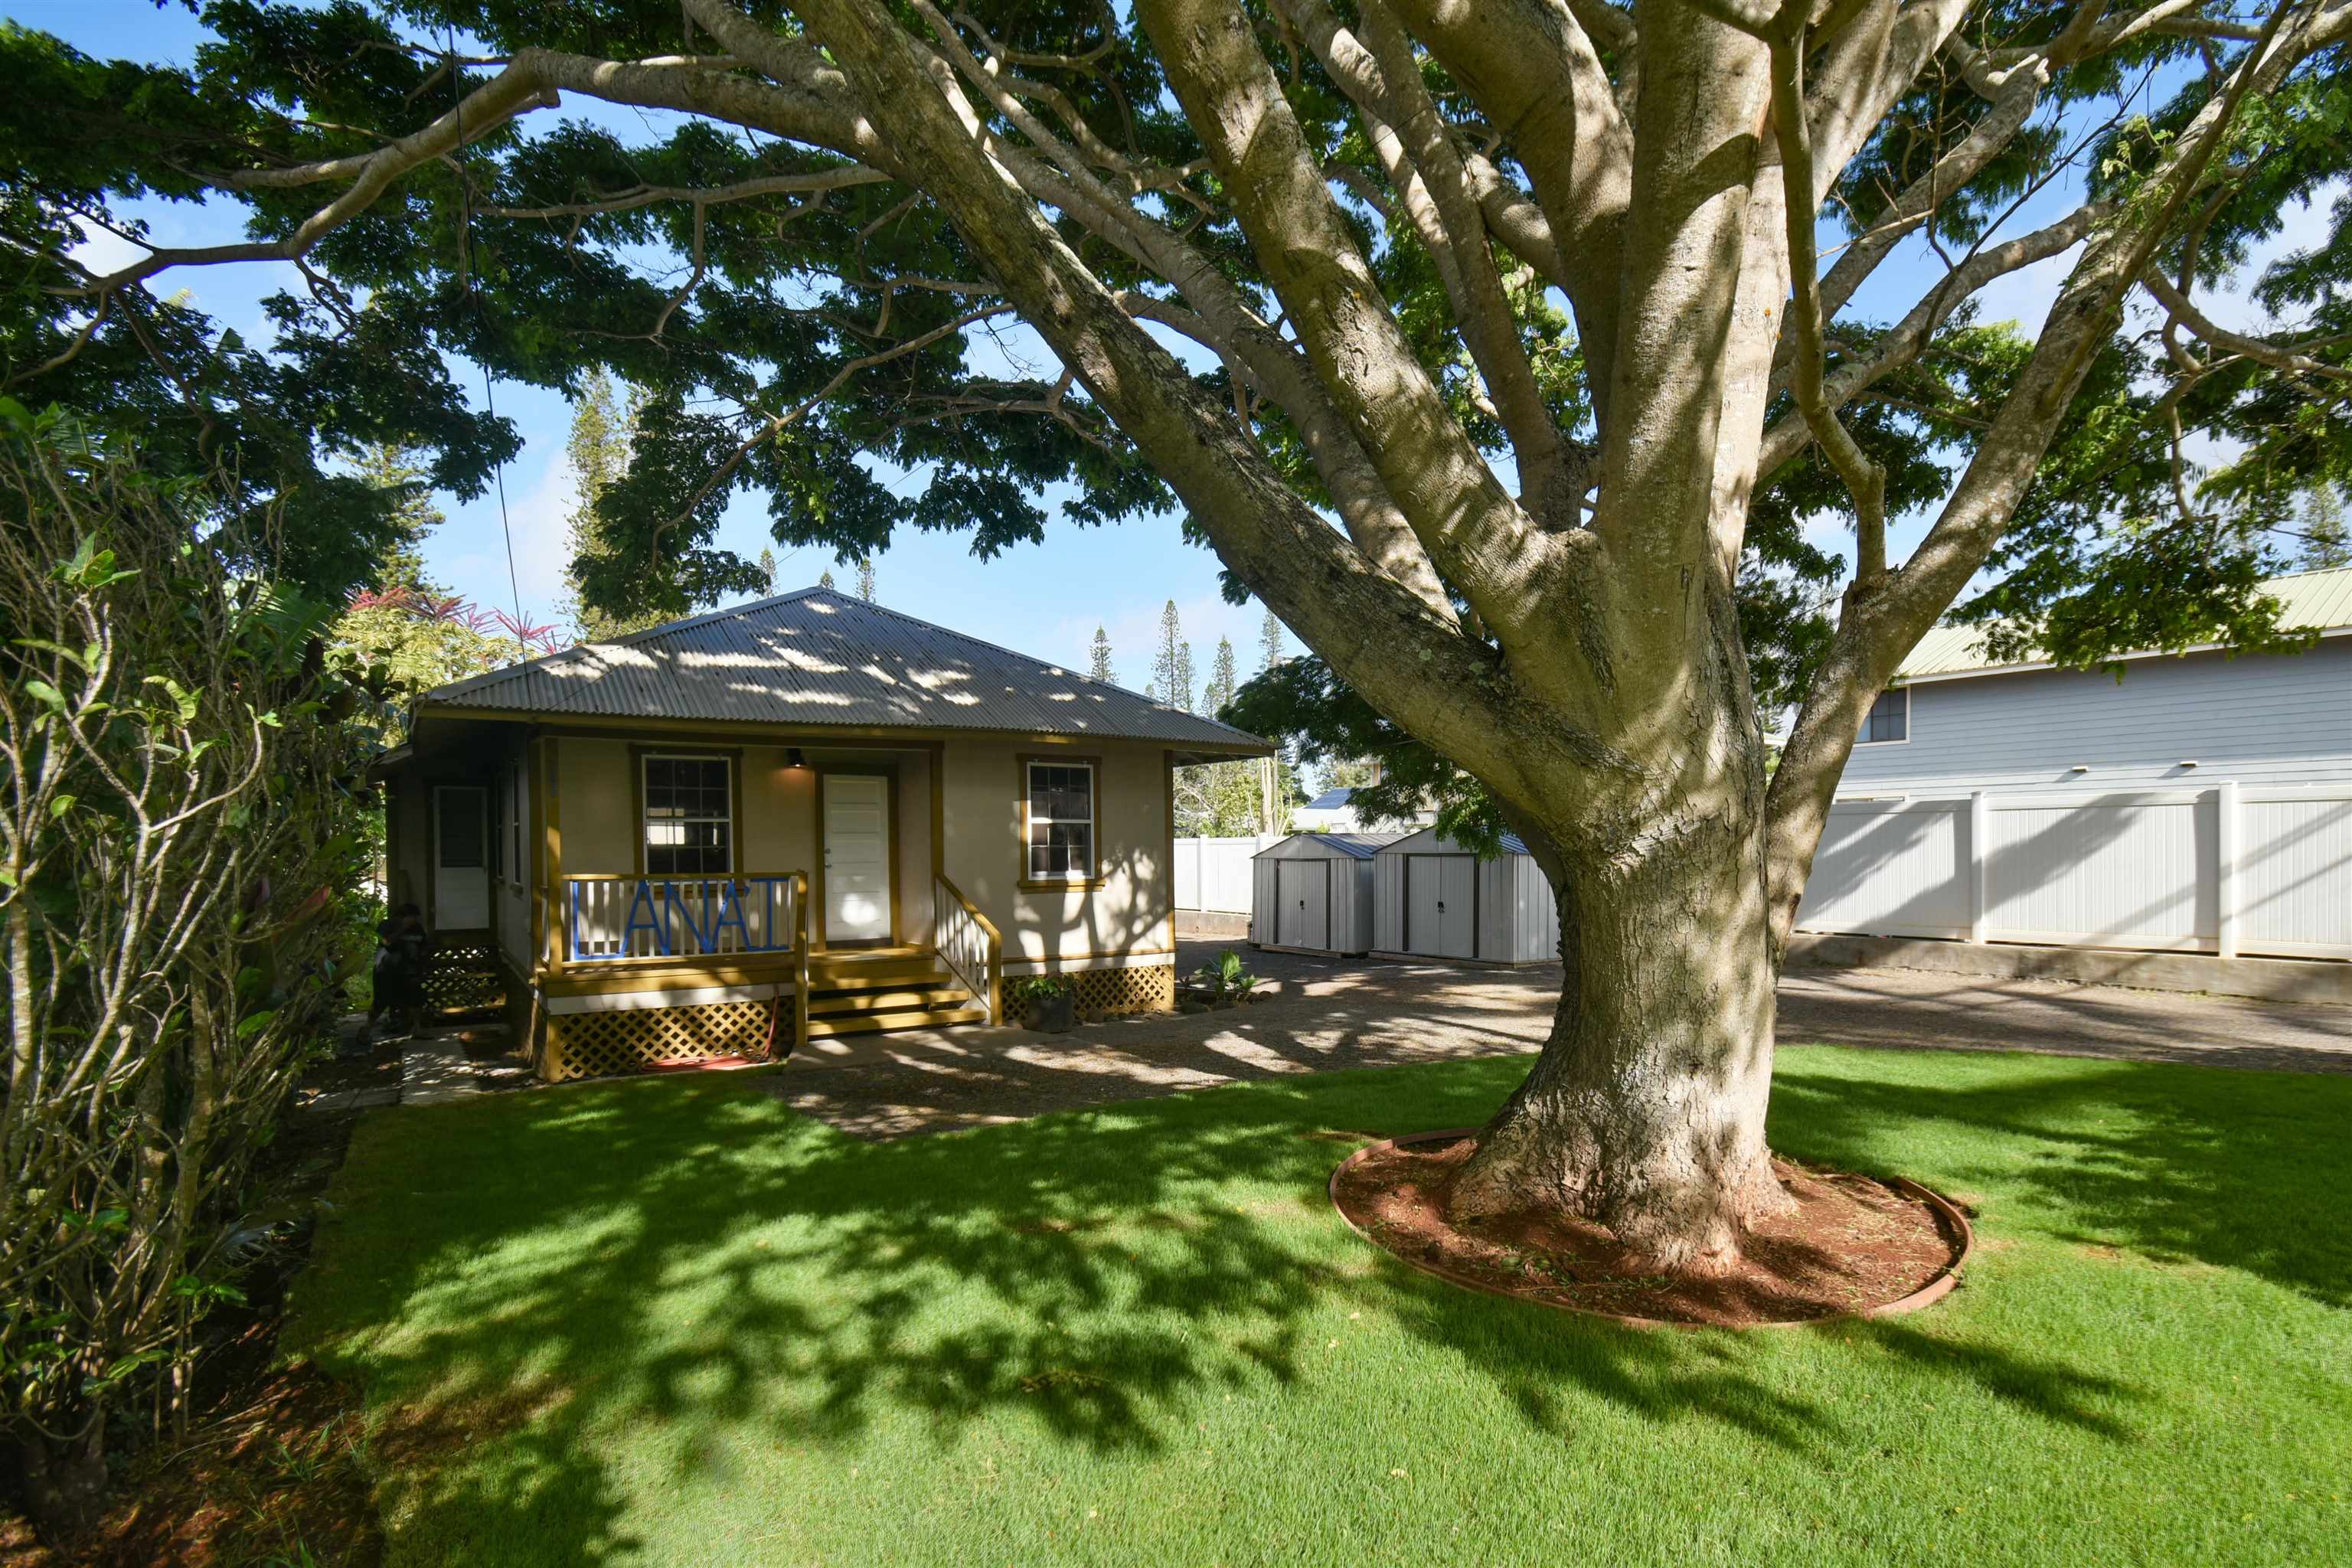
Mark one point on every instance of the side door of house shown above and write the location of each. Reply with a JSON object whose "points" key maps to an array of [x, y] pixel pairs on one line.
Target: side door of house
{"points": [[1305, 889], [1440, 919], [856, 809], [461, 858]]}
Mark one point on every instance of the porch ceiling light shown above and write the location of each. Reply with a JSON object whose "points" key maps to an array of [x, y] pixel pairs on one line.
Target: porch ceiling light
{"points": [[792, 758]]}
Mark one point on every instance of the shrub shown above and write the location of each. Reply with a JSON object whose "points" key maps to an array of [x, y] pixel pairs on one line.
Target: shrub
{"points": [[181, 795]]}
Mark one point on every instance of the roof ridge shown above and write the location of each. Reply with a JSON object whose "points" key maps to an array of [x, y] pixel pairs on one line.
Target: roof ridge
{"points": [[627, 639], [1032, 658]]}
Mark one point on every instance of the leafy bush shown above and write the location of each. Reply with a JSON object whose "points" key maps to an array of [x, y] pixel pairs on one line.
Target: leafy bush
{"points": [[181, 795], [1226, 978], [1033, 989]]}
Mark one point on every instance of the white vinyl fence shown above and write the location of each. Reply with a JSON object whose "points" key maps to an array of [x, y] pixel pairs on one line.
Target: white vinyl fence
{"points": [[2227, 869], [1214, 874]]}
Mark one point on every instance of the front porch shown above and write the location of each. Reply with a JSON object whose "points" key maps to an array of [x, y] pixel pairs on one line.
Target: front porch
{"points": [[644, 901], [662, 971]]}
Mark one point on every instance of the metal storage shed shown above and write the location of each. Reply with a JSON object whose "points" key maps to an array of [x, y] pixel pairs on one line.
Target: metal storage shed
{"points": [[1434, 899], [1313, 892]]}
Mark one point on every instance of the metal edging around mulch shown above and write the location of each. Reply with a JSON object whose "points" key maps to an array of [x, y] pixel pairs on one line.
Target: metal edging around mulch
{"points": [[1935, 1290]]}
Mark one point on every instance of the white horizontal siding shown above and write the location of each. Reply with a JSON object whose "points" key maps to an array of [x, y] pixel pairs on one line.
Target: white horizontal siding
{"points": [[2260, 720]]}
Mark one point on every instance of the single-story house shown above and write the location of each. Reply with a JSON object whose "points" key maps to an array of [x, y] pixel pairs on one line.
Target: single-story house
{"points": [[801, 816], [1957, 722]]}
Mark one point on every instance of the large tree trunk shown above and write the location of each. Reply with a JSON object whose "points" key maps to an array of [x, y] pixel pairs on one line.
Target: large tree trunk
{"points": [[1645, 1110]]}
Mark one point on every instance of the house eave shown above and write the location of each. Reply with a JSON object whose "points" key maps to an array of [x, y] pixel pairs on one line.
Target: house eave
{"points": [[783, 733], [2027, 668]]}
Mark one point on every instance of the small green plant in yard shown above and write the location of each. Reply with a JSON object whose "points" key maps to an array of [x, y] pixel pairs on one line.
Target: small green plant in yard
{"points": [[1226, 978], [1047, 1001], [1031, 989], [673, 1314]]}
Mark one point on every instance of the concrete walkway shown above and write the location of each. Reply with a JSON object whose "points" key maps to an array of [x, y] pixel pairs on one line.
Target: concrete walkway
{"points": [[1338, 1015]]}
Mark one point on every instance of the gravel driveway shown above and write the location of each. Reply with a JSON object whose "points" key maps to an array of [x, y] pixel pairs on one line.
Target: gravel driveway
{"points": [[1340, 1013]]}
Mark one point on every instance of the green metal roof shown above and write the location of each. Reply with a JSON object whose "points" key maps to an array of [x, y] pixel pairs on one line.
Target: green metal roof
{"points": [[2320, 601]]}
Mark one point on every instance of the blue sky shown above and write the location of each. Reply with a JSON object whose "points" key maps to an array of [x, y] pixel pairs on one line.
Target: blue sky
{"points": [[1044, 600]]}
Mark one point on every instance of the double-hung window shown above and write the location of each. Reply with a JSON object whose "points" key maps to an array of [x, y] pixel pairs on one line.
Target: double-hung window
{"points": [[688, 825], [1059, 821], [1889, 718]]}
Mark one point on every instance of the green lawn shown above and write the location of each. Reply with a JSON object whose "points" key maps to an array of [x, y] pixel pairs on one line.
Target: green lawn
{"points": [[674, 1322]]}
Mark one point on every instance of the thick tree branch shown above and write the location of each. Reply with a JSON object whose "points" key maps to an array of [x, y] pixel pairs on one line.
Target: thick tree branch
{"points": [[1864, 480], [1473, 531], [1388, 644], [843, 178], [1382, 79], [2278, 356], [1533, 70], [1910, 337], [519, 87]]}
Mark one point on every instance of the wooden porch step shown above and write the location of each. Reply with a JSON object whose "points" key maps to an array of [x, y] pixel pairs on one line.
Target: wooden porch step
{"points": [[911, 1018], [895, 979], [945, 994]]}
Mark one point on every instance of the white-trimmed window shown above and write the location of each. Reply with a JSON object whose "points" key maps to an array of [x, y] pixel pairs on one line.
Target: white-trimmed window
{"points": [[1889, 718], [689, 823], [1059, 822]]}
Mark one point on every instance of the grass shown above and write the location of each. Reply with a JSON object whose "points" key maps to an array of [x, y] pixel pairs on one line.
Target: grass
{"points": [[674, 1322]]}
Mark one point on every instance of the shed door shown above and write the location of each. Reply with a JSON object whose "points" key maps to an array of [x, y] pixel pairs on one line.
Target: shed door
{"points": [[1441, 909], [461, 861], [1303, 899]]}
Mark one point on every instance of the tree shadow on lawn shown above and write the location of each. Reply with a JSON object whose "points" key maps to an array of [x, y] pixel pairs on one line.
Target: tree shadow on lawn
{"points": [[560, 1275], [2182, 1164]]}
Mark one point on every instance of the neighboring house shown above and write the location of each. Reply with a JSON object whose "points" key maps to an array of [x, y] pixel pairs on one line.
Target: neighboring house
{"points": [[807, 815], [2201, 803], [1957, 723], [1331, 813]]}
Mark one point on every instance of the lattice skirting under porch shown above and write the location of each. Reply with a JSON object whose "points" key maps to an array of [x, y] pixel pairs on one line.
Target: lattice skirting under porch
{"points": [[593, 1044], [1115, 993], [463, 974]]}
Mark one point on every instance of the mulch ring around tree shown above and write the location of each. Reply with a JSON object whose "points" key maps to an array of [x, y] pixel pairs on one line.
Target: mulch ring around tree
{"points": [[1854, 1246]]}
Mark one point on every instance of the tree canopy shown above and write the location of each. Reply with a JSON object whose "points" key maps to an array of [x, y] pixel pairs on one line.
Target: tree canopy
{"points": [[1512, 354]]}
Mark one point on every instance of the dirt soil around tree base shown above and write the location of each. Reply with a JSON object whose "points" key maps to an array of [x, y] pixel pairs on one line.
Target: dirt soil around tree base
{"points": [[1851, 1244]]}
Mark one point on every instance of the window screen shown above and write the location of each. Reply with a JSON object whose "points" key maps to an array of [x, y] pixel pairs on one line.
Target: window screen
{"points": [[1890, 718], [1061, 821], [460, 828], [689, 826]]}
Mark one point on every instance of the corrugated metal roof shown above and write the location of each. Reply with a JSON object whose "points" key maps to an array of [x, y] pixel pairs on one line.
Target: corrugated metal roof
{"points": [[1512, 843], [2319, 601], [821, 658], [1355, 846]]}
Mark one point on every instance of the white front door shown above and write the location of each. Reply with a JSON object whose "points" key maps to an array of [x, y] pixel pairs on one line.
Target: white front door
{"points": [[856, 857], [461, 861]]}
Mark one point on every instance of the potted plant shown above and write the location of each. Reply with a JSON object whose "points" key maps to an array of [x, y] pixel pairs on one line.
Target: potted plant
{"points": [[1050, 1001]]}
